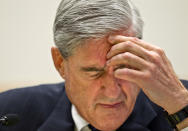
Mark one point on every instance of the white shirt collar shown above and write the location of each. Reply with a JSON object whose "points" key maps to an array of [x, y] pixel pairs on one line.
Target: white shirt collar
{"points": [[78, 120]]}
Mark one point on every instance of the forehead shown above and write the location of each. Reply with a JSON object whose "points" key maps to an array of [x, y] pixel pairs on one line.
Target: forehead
{"points": [[93, 51]]}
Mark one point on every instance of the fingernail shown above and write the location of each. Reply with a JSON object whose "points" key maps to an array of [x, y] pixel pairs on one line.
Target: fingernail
{"points": [[108, 63], [111, 38], [108, 55]]}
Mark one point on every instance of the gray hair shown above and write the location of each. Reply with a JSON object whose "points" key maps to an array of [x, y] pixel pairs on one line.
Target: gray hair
{"points": [[80, 20]]}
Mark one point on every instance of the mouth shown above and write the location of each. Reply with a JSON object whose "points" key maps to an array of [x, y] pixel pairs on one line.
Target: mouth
{"points": [[111, 105]]}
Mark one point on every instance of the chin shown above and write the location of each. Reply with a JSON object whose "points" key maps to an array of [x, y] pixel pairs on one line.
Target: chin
{"points": [[110, 119], [111, 122], [109, 126]]}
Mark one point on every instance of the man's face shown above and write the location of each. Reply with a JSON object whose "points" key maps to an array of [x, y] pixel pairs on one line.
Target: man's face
{"points": [[100, 98]]}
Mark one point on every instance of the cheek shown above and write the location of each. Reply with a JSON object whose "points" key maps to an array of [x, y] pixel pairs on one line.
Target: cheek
{"points": [[83, 95], [80, 91], [130, 89]]}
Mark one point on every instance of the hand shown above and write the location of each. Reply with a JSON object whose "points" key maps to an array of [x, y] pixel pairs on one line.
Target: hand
{"points": [[148, 67]]}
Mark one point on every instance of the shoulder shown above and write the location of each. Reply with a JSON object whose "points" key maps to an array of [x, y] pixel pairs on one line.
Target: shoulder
{"points": [[185, 83], [31, 103], [47, 92]]}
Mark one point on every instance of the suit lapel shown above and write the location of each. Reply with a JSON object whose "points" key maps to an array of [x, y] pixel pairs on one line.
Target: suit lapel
{"points": [[60, 119]]}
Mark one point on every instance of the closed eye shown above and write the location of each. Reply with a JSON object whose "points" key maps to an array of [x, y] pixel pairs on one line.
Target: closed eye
{"points": [[93, 71], [124, 66], [97, 74]]}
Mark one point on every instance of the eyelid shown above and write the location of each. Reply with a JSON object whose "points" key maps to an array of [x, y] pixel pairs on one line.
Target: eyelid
{"points": [[98, 74], [92, 69]]}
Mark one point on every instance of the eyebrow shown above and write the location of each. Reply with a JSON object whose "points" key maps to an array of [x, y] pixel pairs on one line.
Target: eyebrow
{"points": [[88, 69]]}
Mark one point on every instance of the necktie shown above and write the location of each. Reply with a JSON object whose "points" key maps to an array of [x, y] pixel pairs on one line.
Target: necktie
{"points": [[92, 128], [85, 128]]}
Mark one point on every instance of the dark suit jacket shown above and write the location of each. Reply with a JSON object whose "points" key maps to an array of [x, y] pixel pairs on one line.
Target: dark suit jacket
{"points": [[47, 108]]}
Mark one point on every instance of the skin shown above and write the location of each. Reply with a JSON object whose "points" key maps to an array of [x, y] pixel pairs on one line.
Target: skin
{"points": [[151, 70], [107, 101], [100, 98]]}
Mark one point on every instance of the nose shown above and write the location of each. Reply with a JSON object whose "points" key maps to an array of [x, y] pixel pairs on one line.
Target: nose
{"points": [[111, 86]]}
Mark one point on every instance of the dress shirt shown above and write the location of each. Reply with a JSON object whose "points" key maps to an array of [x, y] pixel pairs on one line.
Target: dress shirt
{"points": [[80, 123]]}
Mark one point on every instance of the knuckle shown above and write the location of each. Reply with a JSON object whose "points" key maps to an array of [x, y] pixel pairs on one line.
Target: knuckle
{"points": [[119, 56], [127, 44], [160, 51], [126, 55], [156, 58], [147, 75], [153, 68]]}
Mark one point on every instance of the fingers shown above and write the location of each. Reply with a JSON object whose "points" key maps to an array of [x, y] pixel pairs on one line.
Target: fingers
{"points": [[148, 67], [127, 46], [119, 38], [129, 60], [136, 55], [138, 47], [114, 39], [129, 75]]}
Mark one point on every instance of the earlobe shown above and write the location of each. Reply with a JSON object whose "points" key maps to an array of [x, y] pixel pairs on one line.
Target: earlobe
{"points": [[58, 61]]}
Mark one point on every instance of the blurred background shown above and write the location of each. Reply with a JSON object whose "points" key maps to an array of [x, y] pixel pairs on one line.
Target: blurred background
{"points": [[26, 38]]}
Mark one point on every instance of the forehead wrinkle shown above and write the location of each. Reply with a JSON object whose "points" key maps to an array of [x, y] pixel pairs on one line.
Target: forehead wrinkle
{"points": [[102, 47], [97, 49]]}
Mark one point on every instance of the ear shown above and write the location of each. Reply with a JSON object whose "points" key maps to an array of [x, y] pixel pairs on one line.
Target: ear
{"points": [[58, 61]]}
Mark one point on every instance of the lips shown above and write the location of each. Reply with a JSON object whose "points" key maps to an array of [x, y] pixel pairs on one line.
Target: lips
{"points": [[113, 105]]}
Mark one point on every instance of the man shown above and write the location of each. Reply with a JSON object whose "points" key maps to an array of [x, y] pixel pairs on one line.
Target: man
{"points": [[113, 79]]}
